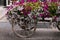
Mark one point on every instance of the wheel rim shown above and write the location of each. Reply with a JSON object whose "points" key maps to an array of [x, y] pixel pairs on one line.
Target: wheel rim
{"points": [[23, 32], [53, 24]]}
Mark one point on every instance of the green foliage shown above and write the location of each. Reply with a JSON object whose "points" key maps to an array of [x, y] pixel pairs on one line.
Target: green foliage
{"points": [[10, 13], [52, 9]]}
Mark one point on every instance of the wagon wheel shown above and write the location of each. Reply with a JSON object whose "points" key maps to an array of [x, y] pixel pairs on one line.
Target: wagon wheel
{"points": [[24, 31], [53, 23]]}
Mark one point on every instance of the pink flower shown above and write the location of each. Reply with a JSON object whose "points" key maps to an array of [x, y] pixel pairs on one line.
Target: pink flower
{"points": [[22, 1]]}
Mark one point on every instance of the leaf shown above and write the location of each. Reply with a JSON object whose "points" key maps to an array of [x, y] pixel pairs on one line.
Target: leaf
{"points": [[52, 9]]}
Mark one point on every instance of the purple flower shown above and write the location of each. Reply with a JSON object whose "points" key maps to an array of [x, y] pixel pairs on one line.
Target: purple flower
{"points": [[45, 9], [34, 0], [45, 1], [28, 0], [46, 14], [9, 7], [45, 5], [21, 3], [54, 0], [41, 15], [17, 3], [26, 13]]}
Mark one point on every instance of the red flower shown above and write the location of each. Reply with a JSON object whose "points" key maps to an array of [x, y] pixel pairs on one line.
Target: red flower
{"points": [[25, 12], [28, 8]]}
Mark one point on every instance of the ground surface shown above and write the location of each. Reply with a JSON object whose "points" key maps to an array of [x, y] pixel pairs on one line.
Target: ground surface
{"points": [[43, 32], [40, 34]]}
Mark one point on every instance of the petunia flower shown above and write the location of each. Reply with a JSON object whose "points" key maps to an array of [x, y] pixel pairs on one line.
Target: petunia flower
{"points": [[22, 1]]}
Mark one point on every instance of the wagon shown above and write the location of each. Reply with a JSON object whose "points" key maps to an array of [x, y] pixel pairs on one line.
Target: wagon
{"points": [[25, 17]]}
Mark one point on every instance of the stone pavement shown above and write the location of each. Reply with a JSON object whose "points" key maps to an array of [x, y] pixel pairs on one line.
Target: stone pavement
{"points": [[40, 34]]}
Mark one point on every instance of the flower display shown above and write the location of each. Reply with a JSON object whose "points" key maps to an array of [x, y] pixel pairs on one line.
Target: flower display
{"points": [[36, 8], [27, 14], [33, 5]]}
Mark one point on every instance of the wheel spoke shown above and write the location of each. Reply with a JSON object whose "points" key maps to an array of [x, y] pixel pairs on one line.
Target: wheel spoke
{"points": [[24, 30]]}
